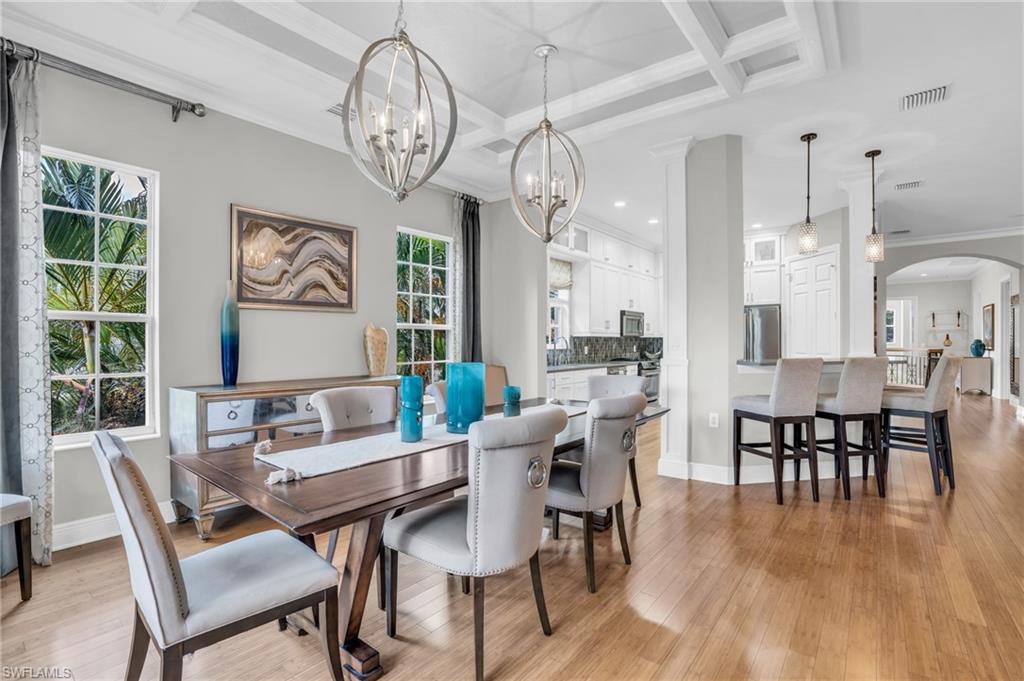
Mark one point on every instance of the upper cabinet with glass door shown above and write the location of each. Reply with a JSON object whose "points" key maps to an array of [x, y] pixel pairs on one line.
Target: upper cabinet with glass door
{"points": [[763, 250], [573, 238]]}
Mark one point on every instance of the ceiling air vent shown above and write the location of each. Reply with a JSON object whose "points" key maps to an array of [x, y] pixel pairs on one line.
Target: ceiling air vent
{"points": [[336, 109], [902, 186], [916, 100], [897, 232]]}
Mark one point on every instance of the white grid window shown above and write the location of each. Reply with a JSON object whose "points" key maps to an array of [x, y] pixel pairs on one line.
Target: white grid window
{"points": [[423, 318], [99, 237]]}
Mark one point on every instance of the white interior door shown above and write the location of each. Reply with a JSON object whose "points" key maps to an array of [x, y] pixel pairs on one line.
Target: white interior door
{"points": [[813, 306]]}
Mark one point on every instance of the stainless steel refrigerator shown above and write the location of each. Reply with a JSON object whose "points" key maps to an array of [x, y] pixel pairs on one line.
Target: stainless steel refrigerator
{"points": [[762, 326]]}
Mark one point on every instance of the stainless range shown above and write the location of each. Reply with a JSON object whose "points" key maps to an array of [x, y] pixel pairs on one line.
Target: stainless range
{"points": [[649, 369]]}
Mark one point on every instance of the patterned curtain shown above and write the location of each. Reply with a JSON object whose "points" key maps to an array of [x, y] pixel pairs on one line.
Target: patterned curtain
{"points": [[36, 442], [455, 275]]}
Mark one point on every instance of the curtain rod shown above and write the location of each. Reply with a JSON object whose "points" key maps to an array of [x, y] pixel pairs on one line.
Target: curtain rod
{"points": [[19, 51]]}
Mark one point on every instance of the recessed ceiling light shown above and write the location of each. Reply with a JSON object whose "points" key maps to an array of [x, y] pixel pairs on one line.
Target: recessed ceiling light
{"points": [[620, 204], [924, 274], [652, 221], [756, 225]]}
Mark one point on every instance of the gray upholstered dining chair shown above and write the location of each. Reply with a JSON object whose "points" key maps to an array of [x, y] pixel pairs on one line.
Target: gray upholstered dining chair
{"points": [[185, 605], [494, 528], [616, 386], [793, 400], [597, 481], [355, 407], [859, 398], [932, 407], [14, 508]]}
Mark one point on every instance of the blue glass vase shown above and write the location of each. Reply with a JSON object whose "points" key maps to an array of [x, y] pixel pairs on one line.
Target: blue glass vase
{"points": [[229, 338], [978, 347], [512, 395], [465, 395], [410, 396]]}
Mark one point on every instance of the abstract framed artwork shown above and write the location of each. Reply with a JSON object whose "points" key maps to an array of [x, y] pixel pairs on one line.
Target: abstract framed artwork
{"points": [[285, 262], [988, 326]]}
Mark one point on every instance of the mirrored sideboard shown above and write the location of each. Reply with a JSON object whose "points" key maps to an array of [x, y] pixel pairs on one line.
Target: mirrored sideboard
{"points": [[211, 417]]}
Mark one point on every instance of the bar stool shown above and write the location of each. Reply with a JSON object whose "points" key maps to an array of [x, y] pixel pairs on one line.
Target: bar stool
{"points": [[793, 400], [859, 399], [931, 406]]}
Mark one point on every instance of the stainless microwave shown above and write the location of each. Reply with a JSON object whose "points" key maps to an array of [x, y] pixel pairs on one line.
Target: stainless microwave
{"points": [[631, 324]]}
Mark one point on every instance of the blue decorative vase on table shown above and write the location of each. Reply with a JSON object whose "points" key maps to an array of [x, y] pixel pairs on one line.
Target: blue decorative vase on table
{"points": [[410, 395], [229, 338], [978, 347], [465, 395], [512, 395]]}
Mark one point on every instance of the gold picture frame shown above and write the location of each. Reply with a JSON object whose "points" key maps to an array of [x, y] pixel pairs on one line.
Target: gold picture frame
{"points": [[267, 249]]}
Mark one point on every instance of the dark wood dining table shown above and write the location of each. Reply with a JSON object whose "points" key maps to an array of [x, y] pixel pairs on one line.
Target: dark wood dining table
{"points": [[361, 497]]}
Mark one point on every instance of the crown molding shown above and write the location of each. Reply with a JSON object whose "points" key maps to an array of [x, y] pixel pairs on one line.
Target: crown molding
{"points": [[673, 149], [958, 236]]}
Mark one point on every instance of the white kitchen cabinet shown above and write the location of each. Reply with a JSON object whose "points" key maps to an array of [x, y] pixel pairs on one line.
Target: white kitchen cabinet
{"points": [[763, 285], [642, 261], [763, 250]]}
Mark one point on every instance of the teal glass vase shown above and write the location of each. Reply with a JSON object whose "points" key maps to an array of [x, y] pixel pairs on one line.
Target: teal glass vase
{"points": [[229, 338], [978, 347], [410, 395], [465, 395], [512, 395]]}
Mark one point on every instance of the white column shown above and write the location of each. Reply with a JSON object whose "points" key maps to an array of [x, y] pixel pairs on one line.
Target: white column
{"points": [[861, 295], [675, 437]]}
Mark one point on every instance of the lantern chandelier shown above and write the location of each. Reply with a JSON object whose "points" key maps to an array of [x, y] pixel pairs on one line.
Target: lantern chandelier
{"points": [[542, 199], [396, 147], [808, 240], [874, 243]]}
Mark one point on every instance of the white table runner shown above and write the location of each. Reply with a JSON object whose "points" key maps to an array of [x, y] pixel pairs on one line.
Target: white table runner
{"points": [[339, 456]]}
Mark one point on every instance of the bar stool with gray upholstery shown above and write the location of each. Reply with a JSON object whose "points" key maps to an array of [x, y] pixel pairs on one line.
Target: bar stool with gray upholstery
{"points": [[859, 398], [185, 605], [597, 482], [497, 526], [931, 406], [793, 400], [354, 407]]}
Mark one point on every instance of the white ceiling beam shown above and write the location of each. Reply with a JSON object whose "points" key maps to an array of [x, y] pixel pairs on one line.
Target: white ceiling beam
{"points": [[811, 49], [626, 85], [777, 32], [173, 12], [305, 22], [708, 38]]}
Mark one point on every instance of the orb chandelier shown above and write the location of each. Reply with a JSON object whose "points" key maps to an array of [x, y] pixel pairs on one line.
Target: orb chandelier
{"points": [[874, 243], [545, 199], [395, 144], [808, 238]]}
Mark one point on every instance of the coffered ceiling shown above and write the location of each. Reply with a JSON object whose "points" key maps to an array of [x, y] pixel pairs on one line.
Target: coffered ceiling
{"points": [[629, 76]]}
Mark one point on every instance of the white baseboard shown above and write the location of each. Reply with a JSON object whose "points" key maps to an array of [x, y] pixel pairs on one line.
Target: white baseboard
{"points": [[86, 530], [673, 468], [723, 475]]}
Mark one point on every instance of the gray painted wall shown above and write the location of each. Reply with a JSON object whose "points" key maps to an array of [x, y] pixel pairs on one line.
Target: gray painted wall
{"points": [[714, 232], [205, 165], [935, 296]]}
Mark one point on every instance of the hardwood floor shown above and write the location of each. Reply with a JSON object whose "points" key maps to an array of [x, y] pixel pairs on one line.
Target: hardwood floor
{"points": [[724, 585]]}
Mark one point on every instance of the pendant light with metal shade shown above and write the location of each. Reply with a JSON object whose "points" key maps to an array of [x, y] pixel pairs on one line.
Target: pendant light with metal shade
{"points": [[808, 239], [543, 199], [396, 147], [874, 243]]}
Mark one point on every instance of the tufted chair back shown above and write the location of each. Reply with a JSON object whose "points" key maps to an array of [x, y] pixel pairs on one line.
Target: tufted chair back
{"points": [[342, 408], [509, 463], [152, 561], [861, 385], [610, 441], [942, 383], [614, 386], [795, 386]]}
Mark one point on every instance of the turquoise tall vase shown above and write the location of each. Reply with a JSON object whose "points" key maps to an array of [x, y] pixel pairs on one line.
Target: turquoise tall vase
{"points": [[465, 401], [410, 395], [229, 338]]}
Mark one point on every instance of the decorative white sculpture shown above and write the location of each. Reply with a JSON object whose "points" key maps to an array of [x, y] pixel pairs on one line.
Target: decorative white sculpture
{"points": [[375, 344]]}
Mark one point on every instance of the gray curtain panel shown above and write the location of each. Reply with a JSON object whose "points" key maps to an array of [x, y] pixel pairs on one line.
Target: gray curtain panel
{"points": [[10, 438], [472, 341]]}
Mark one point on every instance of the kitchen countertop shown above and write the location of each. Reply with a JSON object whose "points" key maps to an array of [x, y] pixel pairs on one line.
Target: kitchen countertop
{"points": [[832, 365], [554, 368]]}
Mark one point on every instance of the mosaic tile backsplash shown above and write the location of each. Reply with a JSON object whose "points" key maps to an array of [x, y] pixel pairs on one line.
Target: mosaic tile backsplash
{"points": [[602, 349]]}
